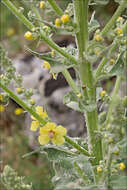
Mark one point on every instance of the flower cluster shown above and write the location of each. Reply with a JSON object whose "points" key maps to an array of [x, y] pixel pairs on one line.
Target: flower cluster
{"points": [[63, 20], [50, 131], [10, 179]]}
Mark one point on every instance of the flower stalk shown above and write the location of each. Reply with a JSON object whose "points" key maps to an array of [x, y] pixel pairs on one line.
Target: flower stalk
{"points": [[86, 75], [30, 26], [56, 8]]}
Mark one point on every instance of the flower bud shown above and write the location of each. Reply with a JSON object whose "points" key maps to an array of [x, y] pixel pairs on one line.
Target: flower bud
{"points": [[28, 36], [58, 22], [65, 18]]}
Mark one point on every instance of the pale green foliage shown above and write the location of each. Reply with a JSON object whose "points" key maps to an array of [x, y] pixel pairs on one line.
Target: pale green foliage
{"points": [[12, 181]]}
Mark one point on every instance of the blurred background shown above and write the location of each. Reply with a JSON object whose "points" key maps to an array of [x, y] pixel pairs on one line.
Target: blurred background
{"points": [[16, 139]]}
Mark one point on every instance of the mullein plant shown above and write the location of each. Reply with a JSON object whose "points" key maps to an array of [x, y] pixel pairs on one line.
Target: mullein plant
{"points": [[98, 161]]}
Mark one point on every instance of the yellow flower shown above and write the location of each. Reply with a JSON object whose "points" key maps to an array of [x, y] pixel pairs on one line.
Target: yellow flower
{"points": [[112, 61], [110, 140], [54, 76], [52, 53], [103, 93], [119, 19], [35, 123], [18, 111], [99, 169], [32, 101], [42, 5], [122, 166], [79, 95], [1, 97], [46, 65], [52, 132], [119, 31], [41, 112], [98, 38], [117, 151], [65, 18], [19, 90], [97, 52], [58, 22], [1, 108], [28, 36]]}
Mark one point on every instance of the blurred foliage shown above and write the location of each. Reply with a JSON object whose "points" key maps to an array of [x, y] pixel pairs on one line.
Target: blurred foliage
{"points": [[12, 30], [14, 144]]}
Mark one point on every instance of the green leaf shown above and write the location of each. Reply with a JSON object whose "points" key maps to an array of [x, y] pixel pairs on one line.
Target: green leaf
{"points": [[72, 102], [118, 68], [87, 107], [58, 63], [93, 24], [56, 153]]}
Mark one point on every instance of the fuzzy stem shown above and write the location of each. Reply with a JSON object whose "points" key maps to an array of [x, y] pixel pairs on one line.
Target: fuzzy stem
{"points": [[18, 14], [56, 8], [78, 147], [33, 113], [111, 23], [46, 39], [65, 72], [70, 81], [22, 104], [54, 46], [86, 75], [100, 67], [115, 92]]}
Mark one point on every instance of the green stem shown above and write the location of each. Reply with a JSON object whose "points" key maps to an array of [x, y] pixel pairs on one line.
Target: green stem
{"points": [[115, 92], [56, 8], [80, 172], [104, 60], [54, 46], [76, 146], [109, 162], [112, 21], [29, 25], [70, 81], [86, 75], [22, 104], [32, 112], [100, 67], [18, 14]]}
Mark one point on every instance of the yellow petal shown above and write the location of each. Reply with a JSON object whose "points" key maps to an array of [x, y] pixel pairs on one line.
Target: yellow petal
{"points": [[43, 139], [60, 130], [39, 110], [44, 130], [34, 125], [50, 126], [44, 114], [58, 140]]}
